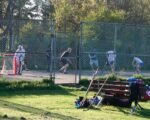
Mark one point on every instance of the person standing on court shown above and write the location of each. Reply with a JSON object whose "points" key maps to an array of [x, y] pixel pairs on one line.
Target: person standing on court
{"points": [[19, 55], [111, 59], [137, 64], [48, 56], [93, 60], [64, 58]]}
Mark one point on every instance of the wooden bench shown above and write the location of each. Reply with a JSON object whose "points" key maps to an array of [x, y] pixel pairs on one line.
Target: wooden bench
{"points": [[120, 88]]}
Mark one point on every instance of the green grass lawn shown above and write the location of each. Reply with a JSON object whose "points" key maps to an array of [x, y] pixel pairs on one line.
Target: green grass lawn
{"points": [[59, 105]]}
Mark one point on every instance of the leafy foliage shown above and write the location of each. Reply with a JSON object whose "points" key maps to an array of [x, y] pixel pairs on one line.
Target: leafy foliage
{"points": [[138, 76], [113, 77]]}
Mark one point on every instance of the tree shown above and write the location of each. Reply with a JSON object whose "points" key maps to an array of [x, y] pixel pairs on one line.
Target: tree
{"points": [[139, 12], [10, 12]]}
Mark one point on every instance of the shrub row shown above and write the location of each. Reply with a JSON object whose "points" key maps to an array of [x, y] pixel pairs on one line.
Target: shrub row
{"points": [[112, 77], [28, 85]]}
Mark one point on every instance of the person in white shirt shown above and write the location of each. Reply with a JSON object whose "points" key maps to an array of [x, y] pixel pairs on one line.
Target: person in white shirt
{"points": [[111, 59], [19, 55], [137, 64], [93, 60]]}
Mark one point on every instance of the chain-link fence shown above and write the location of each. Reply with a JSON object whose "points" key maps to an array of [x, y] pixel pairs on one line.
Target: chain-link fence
{"points": [[39, 38], [127, 40], [34, 35]]}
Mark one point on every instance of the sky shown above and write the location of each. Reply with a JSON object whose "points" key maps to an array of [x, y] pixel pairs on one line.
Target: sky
{"points": [[36, 12]]}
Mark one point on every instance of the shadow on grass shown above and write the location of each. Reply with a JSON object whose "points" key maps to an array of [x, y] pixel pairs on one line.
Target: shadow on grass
{"points": [[45, 87], [34, 110], [5, 117], [144, 113], [124, 110], [9, 93]]}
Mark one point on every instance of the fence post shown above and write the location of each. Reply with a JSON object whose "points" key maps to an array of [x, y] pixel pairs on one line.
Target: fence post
{"points": [[52, 74], [115, 37], [80, 50]]}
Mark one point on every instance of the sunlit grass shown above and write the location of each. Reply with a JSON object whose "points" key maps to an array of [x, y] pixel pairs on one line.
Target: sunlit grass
{"points": [[58, 106]]}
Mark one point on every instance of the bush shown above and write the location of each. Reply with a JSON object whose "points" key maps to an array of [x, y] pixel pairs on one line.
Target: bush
{"points": [[85, 82], [112, 77], [138, 76], [48, 81]]}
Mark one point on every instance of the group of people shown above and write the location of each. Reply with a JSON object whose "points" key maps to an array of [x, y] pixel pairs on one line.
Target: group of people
{"points": [[64, 59], [66, 62], [137, 63], [111, 58], [94, 62], [20, 57]]}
